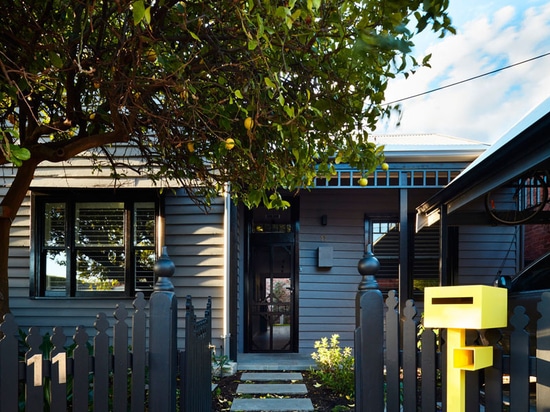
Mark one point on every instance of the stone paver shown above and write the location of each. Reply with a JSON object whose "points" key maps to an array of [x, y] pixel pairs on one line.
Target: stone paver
{"points": [[263, 385], [273, 405], [269, 377], [273, 388]]}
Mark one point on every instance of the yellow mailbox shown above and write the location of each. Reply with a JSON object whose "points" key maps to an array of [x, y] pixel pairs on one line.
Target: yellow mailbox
{"points": [[458, 308]]}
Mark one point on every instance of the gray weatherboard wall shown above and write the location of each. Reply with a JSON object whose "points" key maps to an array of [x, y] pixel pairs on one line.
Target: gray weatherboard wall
{"points": [[195, 242]]}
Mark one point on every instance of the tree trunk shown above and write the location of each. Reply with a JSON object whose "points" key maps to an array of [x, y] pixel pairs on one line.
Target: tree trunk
{"points": [[9, 206], [5, 225]]}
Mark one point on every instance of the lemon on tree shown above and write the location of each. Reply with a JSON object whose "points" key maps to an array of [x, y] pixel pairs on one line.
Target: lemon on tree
{"points": [[248, 123], [229, 143], [191, 147], [363, 181], [151, 55], [385, 166]]}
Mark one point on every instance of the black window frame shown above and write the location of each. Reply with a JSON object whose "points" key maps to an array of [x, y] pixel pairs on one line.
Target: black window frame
{"points": [[70, 197], [425, 249]]}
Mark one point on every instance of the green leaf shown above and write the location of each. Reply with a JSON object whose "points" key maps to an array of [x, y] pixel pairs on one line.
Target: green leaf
{"points": [[252, 44], [193, 35], [20, 153], [138, 10], [238, 94], [289, 111], [269, 83], [147, 15], [55, 59]]}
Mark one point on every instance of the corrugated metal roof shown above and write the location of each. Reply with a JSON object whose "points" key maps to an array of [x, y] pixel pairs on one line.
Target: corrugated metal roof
{"points": [[429, 147], [427, 141]]}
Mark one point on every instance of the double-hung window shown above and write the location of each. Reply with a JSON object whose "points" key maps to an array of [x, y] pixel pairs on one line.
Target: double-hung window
{"points": [[94, 243]]}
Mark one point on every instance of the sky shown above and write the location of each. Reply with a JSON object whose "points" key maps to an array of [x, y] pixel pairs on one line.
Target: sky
{"points": [[491, 34]]}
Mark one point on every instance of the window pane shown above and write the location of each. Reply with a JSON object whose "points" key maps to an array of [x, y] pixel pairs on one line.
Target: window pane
{"points": [[145, 260], [54, 224], [144, 218], [56, 271], [100, 270], [99, 224]]}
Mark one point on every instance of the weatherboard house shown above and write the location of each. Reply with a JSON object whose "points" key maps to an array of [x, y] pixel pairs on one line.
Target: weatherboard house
{"points": [[279, 279]]}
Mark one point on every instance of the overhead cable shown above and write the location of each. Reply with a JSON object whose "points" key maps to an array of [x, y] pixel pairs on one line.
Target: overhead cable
{"points": [[467, 80]]}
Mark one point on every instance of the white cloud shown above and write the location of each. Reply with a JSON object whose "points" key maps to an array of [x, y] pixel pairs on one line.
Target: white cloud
{"points": [[489, 36]]}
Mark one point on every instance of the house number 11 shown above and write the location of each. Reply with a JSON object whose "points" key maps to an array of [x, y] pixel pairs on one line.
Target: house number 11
{"points": [[60, 359]]}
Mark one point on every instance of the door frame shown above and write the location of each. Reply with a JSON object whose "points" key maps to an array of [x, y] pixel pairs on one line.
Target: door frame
{"points": [[273, 239]]}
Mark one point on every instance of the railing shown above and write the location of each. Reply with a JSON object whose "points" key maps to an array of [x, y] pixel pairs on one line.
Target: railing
{"points": [[413, 369], [115, 374]]}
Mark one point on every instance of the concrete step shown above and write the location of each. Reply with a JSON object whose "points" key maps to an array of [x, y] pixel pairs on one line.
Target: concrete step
{"points": [[263, 385], [272, 405], [271, 376], [272, 388]]}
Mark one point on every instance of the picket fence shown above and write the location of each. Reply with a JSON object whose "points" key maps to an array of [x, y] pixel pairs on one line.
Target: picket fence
{"points": [[100, 373], [400, 365]]}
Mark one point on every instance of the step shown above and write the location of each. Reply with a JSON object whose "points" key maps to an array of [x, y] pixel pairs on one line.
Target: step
{"points": [[270, 377], [272, 405], [272, 388]]}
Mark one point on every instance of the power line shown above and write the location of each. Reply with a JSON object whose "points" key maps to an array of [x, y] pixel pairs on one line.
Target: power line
{"points": [[468, 79]]}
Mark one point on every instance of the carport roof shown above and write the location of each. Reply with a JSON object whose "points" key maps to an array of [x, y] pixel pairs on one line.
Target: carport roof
{"points": [[526, 146]]}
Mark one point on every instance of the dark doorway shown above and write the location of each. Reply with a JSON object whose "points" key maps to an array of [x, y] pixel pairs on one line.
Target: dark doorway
{"points": [[271, 281]]}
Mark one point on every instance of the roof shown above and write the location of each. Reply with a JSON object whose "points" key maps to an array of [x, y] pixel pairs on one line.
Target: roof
{"points": [[526, 146], [429, 147]]}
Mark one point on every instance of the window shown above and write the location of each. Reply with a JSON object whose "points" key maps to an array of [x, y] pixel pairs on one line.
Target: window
{"points": [[383, 234], [93, 243]]}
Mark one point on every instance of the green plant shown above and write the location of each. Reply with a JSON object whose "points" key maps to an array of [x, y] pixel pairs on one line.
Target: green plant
{"points": [[219, 363], [334, 366]]}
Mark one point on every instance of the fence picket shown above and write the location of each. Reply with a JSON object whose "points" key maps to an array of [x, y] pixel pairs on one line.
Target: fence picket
{"points": [[493, 375], [543, 354], [58, 371], [120, 364], [80, 370], [519, 360], [392, 354], [138, 354], [9, 364], [34, 372], [101, 363], [410, 377], [428, 366]]}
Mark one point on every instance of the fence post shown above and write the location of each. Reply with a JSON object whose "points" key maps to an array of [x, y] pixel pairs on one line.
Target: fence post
{"points": [[369, 338], [163, 339]]}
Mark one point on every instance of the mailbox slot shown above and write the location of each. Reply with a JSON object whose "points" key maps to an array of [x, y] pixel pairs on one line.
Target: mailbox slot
{"points": [[453, 301]]}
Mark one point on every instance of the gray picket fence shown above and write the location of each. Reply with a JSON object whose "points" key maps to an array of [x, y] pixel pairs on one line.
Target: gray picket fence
{"points": [[400, 365], [99, 373]]}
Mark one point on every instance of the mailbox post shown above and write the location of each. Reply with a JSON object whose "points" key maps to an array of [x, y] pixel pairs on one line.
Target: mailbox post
{"points": [[458, 308]]}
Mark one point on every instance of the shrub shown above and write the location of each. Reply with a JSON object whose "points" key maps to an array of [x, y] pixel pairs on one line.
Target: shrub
{"points": [[334, 366]]}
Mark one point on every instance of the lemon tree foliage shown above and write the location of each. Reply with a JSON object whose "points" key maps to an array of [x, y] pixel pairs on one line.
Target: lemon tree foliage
{"points": [[177, 80]]}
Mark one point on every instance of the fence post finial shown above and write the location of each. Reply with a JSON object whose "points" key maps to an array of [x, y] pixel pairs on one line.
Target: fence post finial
{"points": [[164, 269], [368, 267]]}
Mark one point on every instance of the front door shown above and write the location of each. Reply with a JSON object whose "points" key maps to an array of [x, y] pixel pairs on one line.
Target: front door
{"points": [[271, 282]]}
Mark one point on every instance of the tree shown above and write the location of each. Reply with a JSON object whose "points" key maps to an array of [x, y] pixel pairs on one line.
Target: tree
{"points": [[266, 94]]}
